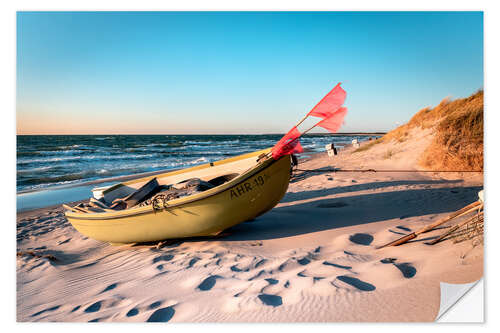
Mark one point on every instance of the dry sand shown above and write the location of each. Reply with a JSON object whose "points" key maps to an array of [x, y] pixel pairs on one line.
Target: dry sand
{"points": [[312, 258]]}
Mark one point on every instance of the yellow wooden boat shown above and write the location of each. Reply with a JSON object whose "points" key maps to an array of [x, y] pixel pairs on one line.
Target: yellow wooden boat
{"points": [[254, 187]]}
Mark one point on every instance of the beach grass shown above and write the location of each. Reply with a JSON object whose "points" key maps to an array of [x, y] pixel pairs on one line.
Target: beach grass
{"points": [[458, 143]]}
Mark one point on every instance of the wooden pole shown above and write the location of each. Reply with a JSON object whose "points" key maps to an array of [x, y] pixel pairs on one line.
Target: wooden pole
{"points": [[302, 120], [310, 128], [466, 210]]}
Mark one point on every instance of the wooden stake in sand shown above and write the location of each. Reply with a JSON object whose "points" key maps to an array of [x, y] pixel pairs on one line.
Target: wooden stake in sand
{"points": [[466, 210]]}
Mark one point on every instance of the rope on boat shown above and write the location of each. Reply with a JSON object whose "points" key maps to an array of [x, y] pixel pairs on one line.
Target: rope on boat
{"points": [[159, 201]]}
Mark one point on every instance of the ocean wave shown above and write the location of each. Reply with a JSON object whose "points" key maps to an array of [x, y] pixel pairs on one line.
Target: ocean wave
{"points": [[28, 153], [32, 170], [92, 157], [56, 179], [192, 142], [165, 144]]}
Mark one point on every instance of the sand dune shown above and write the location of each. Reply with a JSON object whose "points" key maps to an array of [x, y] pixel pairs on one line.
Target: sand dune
{"points": [[312, 258]]}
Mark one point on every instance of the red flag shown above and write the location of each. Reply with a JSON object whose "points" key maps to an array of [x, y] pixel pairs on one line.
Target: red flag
{"points": [[334, 121], [330, 103], [288, 144]]}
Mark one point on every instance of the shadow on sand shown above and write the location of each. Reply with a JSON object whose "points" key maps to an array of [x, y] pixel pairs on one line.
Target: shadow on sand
{"points": [[303, 218], [363, 187]]}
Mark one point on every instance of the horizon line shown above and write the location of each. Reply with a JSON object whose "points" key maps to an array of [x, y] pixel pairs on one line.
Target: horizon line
{"points": [[332, 134]]}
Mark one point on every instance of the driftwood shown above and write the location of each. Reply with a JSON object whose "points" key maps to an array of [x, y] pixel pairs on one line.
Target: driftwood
{"points": [[455, 228], [461, 212]]}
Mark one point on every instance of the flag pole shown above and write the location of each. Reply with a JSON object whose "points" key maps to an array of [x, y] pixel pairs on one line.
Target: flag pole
{"points": [[296, 137], [310, 128], [302, 120]]}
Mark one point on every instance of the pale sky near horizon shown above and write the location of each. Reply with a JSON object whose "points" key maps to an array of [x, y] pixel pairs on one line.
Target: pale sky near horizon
{"points": [[237, 72]]}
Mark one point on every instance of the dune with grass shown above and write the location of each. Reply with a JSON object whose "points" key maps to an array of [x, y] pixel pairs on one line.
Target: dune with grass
{"points": [[451, 135]]}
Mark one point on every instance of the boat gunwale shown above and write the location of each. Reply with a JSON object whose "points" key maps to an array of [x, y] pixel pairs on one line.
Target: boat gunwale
{"points": [[182, 201]]}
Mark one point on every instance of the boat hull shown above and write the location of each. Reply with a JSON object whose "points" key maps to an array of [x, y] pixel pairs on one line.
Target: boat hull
{"points": [[246, 197]]}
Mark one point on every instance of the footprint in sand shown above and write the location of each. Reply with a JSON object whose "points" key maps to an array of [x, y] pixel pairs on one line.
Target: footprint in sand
{"points": [[54, 308], [406, 268], [301, 274], [397, 232], [208, 283], [162, 315], [110, 287], [96, 320], [155, 305], [193, 261], [356, 283], [262, 272], [235, 268], [132, 312], [336, 265], [271, 300], [272, 281], [166, 257], [361, 239], [304, 261], [94, 307], [388, 260], [261, 262], [64, 241]]}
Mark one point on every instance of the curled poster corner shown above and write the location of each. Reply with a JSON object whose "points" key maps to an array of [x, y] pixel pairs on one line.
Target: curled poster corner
{"points": [[451, 295]]}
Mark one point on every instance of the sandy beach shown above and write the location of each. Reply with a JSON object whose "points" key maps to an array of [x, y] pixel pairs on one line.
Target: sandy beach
{"points": [[312, 258]]}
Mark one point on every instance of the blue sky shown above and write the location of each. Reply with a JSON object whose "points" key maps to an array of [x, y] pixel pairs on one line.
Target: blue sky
{"points": [[237, 72]]}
